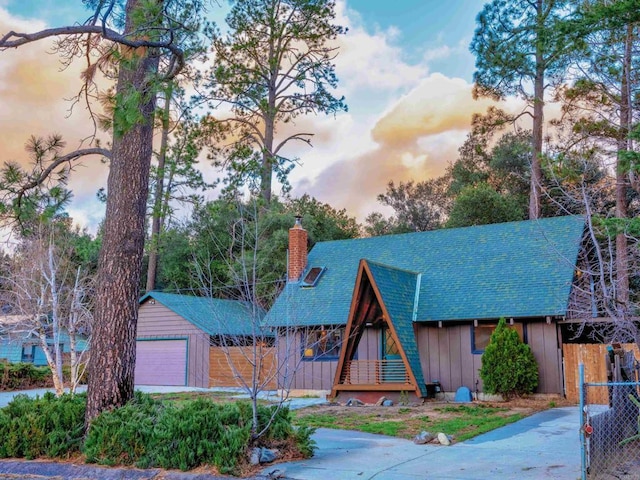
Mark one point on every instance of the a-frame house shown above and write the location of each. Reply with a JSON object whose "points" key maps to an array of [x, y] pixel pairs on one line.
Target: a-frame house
{"points": [[384, 299]]}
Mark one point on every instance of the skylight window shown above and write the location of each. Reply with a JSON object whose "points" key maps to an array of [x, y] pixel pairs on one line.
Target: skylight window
{"points": [[312, 277]]}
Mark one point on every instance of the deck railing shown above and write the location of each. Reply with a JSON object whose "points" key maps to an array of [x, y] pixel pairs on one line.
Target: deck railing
{"points": [[374, 372]]}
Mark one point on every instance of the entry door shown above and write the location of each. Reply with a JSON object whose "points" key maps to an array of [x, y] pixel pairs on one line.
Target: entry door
{"points": [[393, 369]]}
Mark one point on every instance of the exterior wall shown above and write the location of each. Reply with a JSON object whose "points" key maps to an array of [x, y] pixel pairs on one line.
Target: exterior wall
{"points": [[223, 375], [10, 350], [296, 373], [157, 321], [446, 356]]}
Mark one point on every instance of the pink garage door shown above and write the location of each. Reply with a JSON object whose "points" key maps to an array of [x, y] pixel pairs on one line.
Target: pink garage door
{"points": [[161, 362]]}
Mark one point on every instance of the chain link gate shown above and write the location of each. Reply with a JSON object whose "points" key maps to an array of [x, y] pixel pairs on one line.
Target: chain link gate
{"points": [[610, 434]]}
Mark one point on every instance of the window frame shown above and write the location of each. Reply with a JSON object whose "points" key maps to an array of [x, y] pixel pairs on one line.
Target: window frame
{"points": [[522, 333], [329, 355]]}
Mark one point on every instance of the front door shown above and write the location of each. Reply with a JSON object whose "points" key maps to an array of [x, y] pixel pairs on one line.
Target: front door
{"points": [[393, 369]]}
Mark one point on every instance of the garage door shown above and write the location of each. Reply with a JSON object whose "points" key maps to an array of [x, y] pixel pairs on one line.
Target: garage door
{"points": [[161, 362]]}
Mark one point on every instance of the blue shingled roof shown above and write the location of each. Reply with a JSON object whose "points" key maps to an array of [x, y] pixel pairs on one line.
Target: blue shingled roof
{"points": [[515, 269], [398, 291], [214, 316]]}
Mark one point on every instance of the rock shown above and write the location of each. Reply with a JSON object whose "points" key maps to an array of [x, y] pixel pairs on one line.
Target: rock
{"points": [[354, 402], [423, 437], [444, 439], [387, 403], [254, 456], [267, 455], [380, 401]]}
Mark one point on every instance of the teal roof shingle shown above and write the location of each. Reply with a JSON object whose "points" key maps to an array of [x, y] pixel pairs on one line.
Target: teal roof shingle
{"points": [[398, 291], [214, 316], [517, 269]]}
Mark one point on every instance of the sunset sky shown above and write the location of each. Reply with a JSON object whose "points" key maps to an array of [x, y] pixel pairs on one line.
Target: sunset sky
{"points": [[404, 68]]}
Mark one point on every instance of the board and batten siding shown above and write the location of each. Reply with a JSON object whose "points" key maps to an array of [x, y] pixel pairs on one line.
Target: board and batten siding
{"points": [[297, 374], [446, 356], [155, 321]]}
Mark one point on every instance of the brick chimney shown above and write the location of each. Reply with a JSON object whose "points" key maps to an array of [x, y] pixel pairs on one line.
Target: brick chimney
{"points": [[297, 250]]}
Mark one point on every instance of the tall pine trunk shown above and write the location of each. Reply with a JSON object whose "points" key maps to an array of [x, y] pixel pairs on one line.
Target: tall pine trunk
{"points": [[158, 205], [535, 195], [112, 362], [622, 182]]}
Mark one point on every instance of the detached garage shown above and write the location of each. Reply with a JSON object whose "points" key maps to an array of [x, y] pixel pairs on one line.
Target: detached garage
{"points": [[179, 340]]}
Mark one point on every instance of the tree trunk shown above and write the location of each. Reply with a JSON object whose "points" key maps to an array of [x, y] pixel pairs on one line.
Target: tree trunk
{"points": [[158, 211], [622, 182], [112, 362], [538, 121]]}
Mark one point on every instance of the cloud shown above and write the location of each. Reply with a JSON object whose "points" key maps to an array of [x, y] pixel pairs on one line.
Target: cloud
{"points": [[373, 61], [415, 139], [33, 89]]}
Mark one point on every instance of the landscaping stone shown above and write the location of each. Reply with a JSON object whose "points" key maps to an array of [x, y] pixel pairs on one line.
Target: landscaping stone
{"points": [[354, 402], [267, 455], [380, 401], [254, 456], [387, 403], [423, 438], [444, 439]]}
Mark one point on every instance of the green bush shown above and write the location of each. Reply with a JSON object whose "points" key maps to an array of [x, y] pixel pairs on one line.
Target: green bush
{"points": [[508, 365], [147, 433], [122, 436], [19, 376], [42, 427]]}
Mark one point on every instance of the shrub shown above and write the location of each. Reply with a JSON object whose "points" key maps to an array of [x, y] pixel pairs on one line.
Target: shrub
{"points": [[122, 436], [42, 427], [508, 365], [147, 433], [19, 376]]}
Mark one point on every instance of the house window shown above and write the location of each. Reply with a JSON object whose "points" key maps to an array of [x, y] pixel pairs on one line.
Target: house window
{"points": [[312, 277], [322, 344], [481, 335], [28, 353]]}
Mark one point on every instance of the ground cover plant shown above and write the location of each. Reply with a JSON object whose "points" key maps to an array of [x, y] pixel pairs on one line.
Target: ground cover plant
{"points": [[462, 421], [148, 432]]}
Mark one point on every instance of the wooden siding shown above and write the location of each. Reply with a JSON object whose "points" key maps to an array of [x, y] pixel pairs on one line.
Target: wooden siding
{"points": [[157, 321], [593, 357], [221, 374], [295, 373], [10, 350], [446, 356]]}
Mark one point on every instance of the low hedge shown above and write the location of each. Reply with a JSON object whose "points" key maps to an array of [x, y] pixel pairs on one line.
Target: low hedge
{"points": [[21, 376], [146, 432]]}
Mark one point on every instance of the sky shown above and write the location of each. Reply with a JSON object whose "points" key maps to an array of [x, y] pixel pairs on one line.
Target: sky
{"points": [[404, 68]]}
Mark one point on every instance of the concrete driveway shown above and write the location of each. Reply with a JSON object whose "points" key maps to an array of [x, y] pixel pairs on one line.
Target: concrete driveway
{"points": [[542, 446]]}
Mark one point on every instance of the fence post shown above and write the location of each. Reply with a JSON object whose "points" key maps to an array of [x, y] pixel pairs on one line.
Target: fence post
{"points": [[583, 438]]}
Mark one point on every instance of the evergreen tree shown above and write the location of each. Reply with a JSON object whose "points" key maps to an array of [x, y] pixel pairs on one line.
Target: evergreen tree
{"points": [[508, 365]]}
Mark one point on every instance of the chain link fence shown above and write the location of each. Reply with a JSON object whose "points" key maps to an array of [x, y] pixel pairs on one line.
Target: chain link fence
{"points": [[611, 423]]}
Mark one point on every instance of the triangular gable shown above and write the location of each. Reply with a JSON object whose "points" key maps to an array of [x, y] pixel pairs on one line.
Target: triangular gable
{"points": [[392, 292]]}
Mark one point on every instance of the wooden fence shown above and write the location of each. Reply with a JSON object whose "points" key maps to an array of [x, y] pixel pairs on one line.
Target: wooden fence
{"points": [[593, 357], [221, 374]]}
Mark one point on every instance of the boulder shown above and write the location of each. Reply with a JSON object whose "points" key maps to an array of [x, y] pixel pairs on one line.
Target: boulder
{"points": [[387, 403], [423, 438], [354, 402], [380, 401], [444, 439], [267, 455]]}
